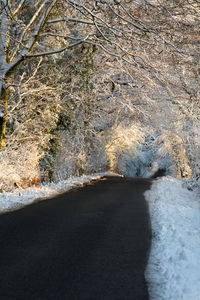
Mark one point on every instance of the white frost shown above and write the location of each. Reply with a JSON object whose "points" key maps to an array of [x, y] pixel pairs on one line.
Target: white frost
{"points": [[173, 271]]}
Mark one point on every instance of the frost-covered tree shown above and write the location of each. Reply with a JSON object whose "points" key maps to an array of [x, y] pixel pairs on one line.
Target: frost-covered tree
{"points": [[29, 29], [146, 55]]}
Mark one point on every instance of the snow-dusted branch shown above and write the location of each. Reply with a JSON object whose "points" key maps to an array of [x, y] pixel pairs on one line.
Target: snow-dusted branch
{"points": [[68, 19], [55, 51], [18, 9], [129, 21], [123, 30]]}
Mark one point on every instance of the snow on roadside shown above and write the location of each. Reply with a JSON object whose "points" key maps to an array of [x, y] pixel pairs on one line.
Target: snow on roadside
{"points": [[19, 198], [173, 271]]}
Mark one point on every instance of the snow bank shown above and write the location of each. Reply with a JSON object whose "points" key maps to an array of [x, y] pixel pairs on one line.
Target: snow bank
{"points": [[173, 271], [19, 198]]}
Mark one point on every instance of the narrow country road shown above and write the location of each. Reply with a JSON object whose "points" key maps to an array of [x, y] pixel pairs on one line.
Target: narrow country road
{"points": [[91, 243]]}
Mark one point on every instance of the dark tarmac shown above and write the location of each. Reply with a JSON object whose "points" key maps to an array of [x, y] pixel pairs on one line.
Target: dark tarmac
{"points": [[90, 243]]}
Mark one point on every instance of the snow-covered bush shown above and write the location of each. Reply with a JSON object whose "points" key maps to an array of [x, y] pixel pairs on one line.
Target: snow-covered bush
{"points": [[19, 167], [137, 151], [81, 152]]}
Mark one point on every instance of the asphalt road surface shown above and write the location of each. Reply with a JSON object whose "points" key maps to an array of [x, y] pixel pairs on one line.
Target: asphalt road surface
{"points": [[91, 243]]}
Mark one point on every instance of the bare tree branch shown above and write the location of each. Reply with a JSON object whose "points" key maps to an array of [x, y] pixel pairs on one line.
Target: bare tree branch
{"points": [[18, 9], [55, 51]]}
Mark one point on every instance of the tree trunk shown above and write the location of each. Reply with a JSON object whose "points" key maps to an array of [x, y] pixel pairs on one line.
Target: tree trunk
{"points": [[3, 118]]}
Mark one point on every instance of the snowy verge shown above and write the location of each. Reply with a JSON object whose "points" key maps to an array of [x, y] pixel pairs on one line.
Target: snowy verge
{"points": [[173, 271], [20, 197]]}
